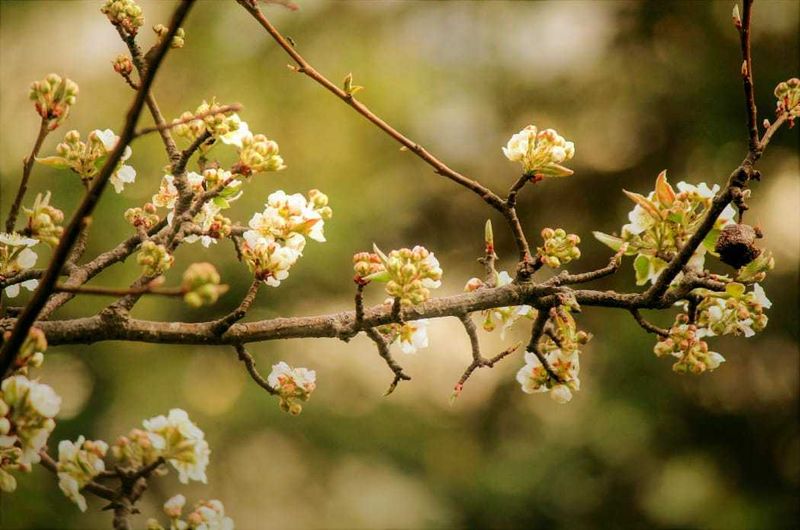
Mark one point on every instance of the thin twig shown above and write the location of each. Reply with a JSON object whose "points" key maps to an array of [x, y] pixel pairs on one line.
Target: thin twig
{"points": [[223, 324], [647, 326], [383, 351], [27, 166], [250, 364]]}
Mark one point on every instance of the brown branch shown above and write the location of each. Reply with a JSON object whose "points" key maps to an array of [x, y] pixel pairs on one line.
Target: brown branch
{"points": [[537, 329], [250, 364], [565, 278], [95, 329], [223, 109], [747, 76], [478, 360], [27, 166], [647, 326], [11, 346], [112, 291], [223, 324], [383, 351]]}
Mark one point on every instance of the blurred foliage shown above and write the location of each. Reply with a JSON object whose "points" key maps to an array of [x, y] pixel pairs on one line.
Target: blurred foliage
{"points": [[638, 86]]}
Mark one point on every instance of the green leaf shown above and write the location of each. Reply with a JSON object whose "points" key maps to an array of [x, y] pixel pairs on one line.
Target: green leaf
{"points": [[555, 170], [380, 254], [54, 161], [380, 276], [642, 267], [612, 242], [221, 202], [735, 289], [710, 241]]}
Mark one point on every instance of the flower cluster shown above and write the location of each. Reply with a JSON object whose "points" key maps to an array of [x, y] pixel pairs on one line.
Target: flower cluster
{"points": [[684, 344], [788, 94], [661, 223], [409, 274], [561, 351], [87, 158], [146, 216], [78, 464], [541, 153], [16, 256], [733, 312], [210, 119], [506, 316], [559, 247], [44, 220], [201, 285], [207, 515], [212, 224], [54, 96], [177, 41], [257, 154], [277, 235], [123, 65], [181, 443], [27, 409], [136, 450], [154, 259], [366, 264], [292, 385], [125, 14]]}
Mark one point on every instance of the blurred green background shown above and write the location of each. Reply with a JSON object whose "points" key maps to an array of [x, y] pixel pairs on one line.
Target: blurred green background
{"points": [[638, 86]]}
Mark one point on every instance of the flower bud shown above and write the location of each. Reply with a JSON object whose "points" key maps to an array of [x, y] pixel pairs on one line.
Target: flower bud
{"points": [[201, 285], [154, 259], [54, 97], [123, 65], [125, 14]]}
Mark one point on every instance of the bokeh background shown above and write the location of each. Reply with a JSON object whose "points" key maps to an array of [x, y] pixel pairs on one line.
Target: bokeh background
{"points": [[639, 87]]}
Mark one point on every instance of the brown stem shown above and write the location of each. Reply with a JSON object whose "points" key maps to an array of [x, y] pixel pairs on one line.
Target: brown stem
{"points": [[250, 364], [222, 325], [27, 166], [112, 291], [647, 326], [383, 351]]}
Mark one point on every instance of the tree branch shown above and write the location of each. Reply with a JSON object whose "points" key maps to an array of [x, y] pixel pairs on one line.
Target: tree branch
{"points": [[27, 166]]}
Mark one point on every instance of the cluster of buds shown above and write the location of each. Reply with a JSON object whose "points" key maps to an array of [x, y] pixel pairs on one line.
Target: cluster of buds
{"points": [[662, 223], [733, 312], [154, 259], [207, 515], [181, 443], [561, 350], [27, 409], [16, 256], [788, 94], [31, 353], [177, 41], [78, 464], [10, 459], [506, 316], [559, 247], [409, 274], [54, 96], [684, 344], [541, 153], [258, 154], [44, 220], [277, 235], [292, 385], [201, 285], [123, 65], [366, 264], [209, 118], [124, 13], [87, 158], [136, 450], [145, 217]]}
